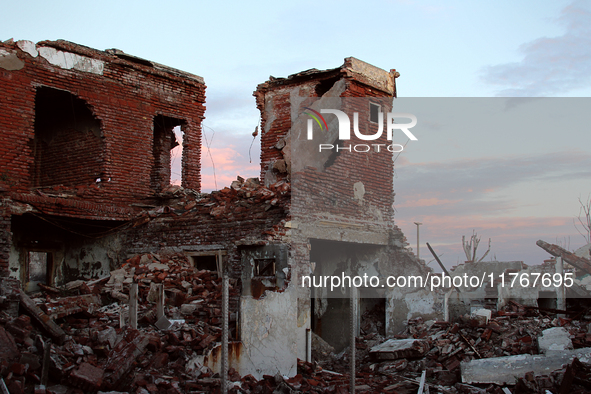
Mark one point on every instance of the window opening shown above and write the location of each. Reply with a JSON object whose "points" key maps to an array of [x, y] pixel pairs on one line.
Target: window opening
{"points": [[211, 260], [176, 157], [374, 110], [168, 135], [68, 144], [264, 267]]}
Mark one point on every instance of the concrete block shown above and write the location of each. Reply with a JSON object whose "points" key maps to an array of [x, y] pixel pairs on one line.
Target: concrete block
{"points": [[188, 309], [163, 323], [555, 338], [505, 370], [394, 349], [107, 336], [483, 314]]}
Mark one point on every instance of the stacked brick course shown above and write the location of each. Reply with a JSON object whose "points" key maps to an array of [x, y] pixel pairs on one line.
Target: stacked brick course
{"points": [[88, 184], [329, 190], [124, 99], [77, 131]]}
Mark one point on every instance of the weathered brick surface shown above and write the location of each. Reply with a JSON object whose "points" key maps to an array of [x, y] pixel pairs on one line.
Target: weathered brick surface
{"points": [[82, 144], [124, 100], [5, 236], [329, 191], [224, 219], [8, 349]]}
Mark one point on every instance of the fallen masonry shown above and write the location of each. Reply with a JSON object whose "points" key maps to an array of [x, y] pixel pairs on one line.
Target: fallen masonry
{"points": [[88, 138], [114, 279], [100, 352], [504, 370]]}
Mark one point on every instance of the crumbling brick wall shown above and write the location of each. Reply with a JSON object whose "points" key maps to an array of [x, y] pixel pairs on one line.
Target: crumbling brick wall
{"points": [[112, 101], [5, 237], [341, 200], [225, 219], [328, 188], [87, 134]]}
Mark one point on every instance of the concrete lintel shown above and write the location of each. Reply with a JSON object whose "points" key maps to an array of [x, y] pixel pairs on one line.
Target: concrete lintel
{"points": [[394, 349], [342, 231], [372, 75]]}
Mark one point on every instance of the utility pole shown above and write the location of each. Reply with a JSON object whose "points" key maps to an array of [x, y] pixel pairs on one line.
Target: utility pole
{"points": [[418, 224]]}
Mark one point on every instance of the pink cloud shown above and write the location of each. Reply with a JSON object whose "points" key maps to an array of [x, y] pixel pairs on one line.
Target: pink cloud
{"points": [[229, 163], [426, 202]]}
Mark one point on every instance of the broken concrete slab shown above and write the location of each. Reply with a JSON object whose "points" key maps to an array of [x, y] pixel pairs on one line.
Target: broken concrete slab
{"points": [[483, 315], [108, 335], [394, 349], [504, 370], [571, 258], [158, 267], [554, 339]]}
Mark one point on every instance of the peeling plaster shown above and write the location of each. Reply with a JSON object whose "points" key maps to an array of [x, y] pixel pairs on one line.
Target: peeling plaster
{"points": [[420, 303], [28, 47], [9, 61], [67, 61], [359, 192], [269, 333], [297, 151]]}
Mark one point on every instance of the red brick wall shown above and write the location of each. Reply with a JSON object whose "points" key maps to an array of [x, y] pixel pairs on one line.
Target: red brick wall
{"points": [[225, 218], [330, 190], [5, 237], [277, 130], [125, 100]]}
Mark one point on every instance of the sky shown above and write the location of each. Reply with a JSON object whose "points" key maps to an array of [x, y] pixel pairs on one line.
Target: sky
{"points": [[514, 189]]}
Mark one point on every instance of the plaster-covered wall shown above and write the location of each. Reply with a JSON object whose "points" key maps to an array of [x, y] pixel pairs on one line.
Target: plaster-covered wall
{"points": [[269, 331]]}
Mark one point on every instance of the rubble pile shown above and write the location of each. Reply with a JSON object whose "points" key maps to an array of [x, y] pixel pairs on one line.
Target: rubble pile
{"points": [[95, 348], [192, 295], [441, 348], [229, 202]]}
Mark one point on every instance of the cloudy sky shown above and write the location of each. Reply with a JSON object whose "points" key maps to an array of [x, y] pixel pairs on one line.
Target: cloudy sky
{"points": [[514, 187]]}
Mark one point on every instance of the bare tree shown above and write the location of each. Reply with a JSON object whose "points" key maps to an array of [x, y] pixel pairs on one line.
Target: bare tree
{"points": [[471, 246], [584, 219]]}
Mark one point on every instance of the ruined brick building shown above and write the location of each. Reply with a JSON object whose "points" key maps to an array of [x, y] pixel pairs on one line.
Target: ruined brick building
{"points": [[85, 183]]}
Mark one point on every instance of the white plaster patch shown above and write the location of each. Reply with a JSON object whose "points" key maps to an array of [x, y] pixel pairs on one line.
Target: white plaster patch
{"points": [[67, 61], [359, 191], [269, 336], [420, 303], [28, 46], [377, 214]]}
